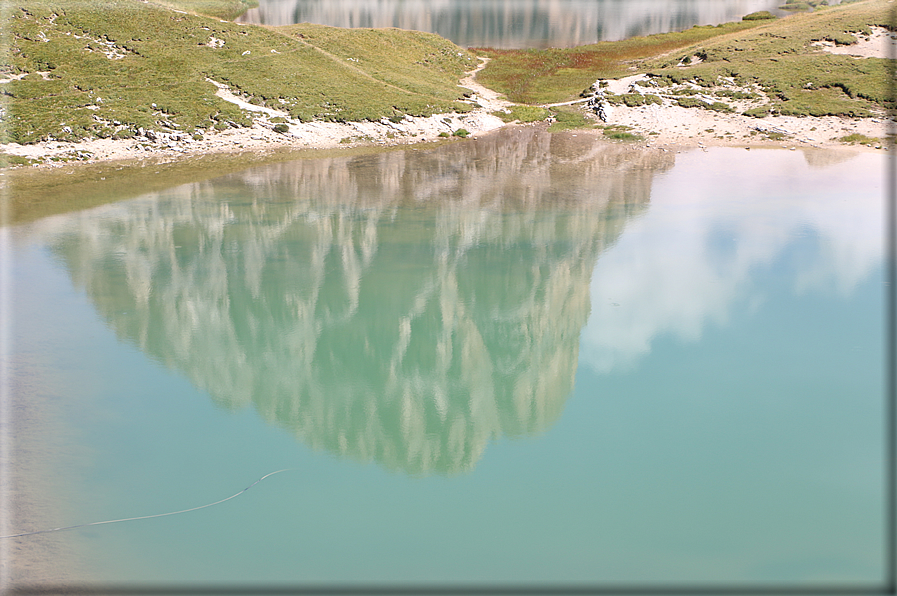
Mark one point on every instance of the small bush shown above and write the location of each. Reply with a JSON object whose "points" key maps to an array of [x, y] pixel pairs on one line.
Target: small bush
{"points": [[690, 102], [760, 112], [841, 38], [565, 120], [281, 128], [760, 15], [15, 160], [125, 133], [735, 94], [444, 134], [461, 132], [636, 99], [621, 135], [857, 138], [613, 99]]}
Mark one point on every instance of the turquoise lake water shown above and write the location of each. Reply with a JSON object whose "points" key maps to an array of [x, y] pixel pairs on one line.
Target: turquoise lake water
{"points": [[524, 358]]}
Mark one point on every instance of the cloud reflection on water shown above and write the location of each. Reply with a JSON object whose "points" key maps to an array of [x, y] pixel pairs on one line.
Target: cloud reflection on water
{"points": [[714, 221]]}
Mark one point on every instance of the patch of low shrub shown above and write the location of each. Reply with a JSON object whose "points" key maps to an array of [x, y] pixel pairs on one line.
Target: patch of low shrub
{"points": [[735, 94], [841, 38], [567, 120], [719, 106], [621, 135], [637, 99], [125, 133], [760, 15], [759, 112], [523, 114], [690, 102], [859, 139]]}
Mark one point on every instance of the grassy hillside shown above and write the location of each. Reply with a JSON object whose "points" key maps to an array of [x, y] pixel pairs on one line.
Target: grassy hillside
{"points": [[776, 54], [800, 78], [86, 68], [559, 74]]}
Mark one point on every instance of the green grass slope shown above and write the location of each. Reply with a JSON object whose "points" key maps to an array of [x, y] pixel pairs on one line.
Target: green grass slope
{"points": [[559, 74], [778, 55], [98, 68]]}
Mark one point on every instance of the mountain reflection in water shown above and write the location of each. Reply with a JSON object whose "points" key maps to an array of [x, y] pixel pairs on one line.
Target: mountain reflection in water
{"points": [[404, 308], [512, 23]]}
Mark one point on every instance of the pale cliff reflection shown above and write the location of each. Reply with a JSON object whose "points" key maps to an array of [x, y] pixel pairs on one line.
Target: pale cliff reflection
{"points": [[512, 23], [405, 308]]}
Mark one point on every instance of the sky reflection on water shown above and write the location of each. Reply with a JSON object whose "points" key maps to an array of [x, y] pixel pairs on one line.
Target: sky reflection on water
{"points": [[529, 357], [695, 254]]}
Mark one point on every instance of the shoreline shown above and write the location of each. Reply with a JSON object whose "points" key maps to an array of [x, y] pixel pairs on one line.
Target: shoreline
{"points": [[674, 127], [665, 126], [261, 138]]}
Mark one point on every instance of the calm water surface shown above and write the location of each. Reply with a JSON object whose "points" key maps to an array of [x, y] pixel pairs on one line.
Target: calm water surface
{"points": [[513, 23], [525, 358]]}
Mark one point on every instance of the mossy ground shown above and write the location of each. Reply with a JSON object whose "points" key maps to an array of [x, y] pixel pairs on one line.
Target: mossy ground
{"points": [[780, 59], [555, 75], [621, 133], [101, 68], [523, 114], [774, 56], [569, 118], [856, 138]]}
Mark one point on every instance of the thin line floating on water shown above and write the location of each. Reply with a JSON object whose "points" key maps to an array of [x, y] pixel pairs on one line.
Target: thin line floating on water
{"points": [[126, 519]]}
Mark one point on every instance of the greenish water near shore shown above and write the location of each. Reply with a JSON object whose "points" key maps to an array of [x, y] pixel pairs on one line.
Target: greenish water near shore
{"points": [[529, 358]]}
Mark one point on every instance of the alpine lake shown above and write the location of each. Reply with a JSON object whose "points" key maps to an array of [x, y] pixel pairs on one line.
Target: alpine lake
{"points": [[527, 359]]}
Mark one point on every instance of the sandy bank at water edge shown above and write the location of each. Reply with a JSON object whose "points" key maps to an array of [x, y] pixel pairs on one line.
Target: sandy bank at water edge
{"points": [[672, 126], [663, 126], [261, 137]]}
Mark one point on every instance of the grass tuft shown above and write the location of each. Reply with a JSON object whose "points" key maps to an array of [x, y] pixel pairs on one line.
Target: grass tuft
{"points": [[569, 119], [760, 15], [523, 114], [859, 139]]}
